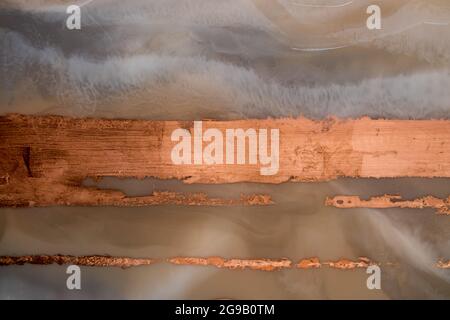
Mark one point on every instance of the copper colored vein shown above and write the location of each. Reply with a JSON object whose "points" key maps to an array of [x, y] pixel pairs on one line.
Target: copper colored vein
{"points": [[91, 261], [442, 206], [272, 264], [218, 262], [43, 160], [254, 264], [344, 264], [443, 264]]}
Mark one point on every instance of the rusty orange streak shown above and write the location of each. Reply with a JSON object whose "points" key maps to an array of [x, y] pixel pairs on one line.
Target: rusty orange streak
{"points": [[254, 264], [271, 265], [443, 264], [442, 206], [344, 264], [218, 262], [91, 261]]}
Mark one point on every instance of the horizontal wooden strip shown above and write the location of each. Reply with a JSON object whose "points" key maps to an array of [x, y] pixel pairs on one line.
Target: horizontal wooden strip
{"points": [[442, 206], [43, 160], [104, 197]]}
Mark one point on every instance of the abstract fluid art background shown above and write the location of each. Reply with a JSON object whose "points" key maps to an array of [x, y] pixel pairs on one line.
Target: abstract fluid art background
{"points": [[230, 60]]}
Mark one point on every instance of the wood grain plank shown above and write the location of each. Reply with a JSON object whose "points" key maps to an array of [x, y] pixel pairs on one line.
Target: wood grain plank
{"points": [[44, 159]]}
